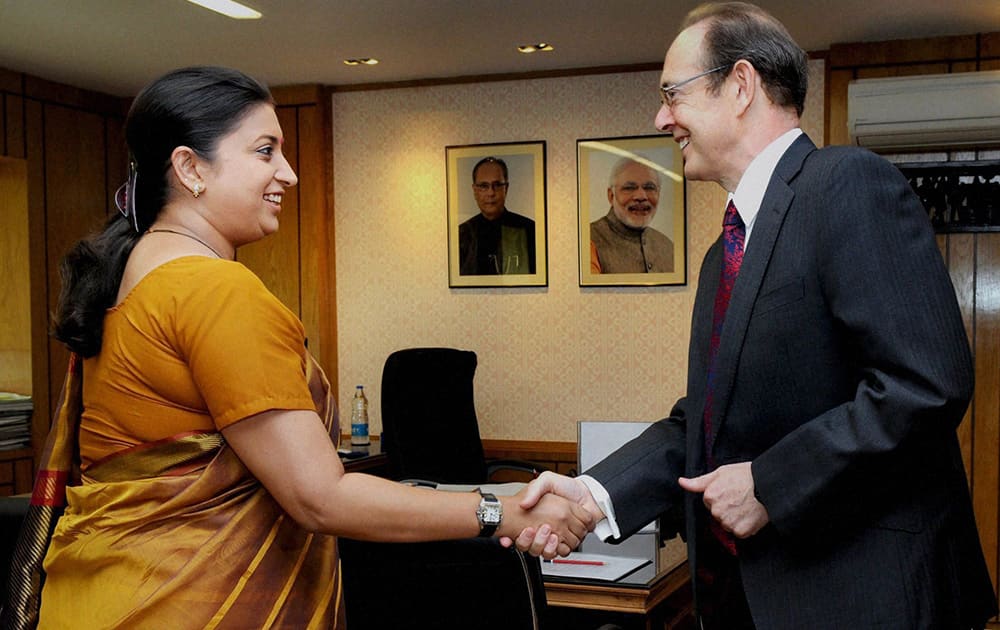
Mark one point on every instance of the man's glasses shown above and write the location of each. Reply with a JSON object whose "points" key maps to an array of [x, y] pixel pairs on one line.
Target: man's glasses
{"points": [[668, 93], [488, 186]]}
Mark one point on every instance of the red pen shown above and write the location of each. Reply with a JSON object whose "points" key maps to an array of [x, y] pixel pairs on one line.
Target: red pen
{"points": [[593, 563]]}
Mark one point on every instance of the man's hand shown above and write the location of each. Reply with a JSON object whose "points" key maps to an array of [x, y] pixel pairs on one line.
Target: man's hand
{"points": [[556, 525], [538, 541], [728, 495]]}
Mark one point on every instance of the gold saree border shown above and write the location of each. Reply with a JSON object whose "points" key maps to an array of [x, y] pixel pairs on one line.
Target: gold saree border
{"points": [[157, 459], [55, 467]]}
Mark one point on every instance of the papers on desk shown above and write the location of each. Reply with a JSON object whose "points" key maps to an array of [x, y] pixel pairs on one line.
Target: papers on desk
{"points": [[592, 566], [508, 489]]}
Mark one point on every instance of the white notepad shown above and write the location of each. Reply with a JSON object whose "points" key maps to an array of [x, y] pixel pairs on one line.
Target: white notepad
{"points": [[592, 566]]}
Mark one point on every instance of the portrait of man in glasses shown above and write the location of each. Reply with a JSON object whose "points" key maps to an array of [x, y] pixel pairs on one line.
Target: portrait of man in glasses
{"points": [[623, 241], [496, 241]]}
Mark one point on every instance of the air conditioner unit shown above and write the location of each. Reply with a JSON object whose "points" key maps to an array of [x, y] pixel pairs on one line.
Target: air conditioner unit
{"points": [[934, 111]]}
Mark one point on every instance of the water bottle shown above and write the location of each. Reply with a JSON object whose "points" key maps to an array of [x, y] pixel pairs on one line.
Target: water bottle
{"points": [[359, 418]]}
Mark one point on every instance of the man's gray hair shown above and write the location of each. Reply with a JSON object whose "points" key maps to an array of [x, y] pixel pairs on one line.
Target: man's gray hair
{"points": [[626, 162]]}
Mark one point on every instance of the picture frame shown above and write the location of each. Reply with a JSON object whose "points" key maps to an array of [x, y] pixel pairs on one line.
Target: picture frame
{"points": [[616, 246], [482, 253]]}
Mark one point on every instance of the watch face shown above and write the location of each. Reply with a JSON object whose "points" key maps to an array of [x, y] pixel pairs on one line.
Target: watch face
{"points": [[491, 513]]}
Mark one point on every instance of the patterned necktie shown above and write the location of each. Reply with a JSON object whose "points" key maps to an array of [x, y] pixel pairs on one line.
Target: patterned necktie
{"points": [[733, 235]]}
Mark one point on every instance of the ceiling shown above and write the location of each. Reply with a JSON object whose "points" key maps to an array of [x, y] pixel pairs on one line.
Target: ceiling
{"points": [[116, 46]]}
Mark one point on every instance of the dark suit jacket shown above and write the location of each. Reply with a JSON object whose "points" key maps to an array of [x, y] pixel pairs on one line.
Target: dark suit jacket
{"points": [[843, 371]]}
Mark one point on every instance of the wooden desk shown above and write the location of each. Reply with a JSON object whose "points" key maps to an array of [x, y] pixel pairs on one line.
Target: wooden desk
{"points": [[664, 601]]}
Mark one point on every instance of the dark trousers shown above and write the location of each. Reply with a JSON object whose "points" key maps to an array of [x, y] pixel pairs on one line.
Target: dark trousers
{"points": [[722, 602]]}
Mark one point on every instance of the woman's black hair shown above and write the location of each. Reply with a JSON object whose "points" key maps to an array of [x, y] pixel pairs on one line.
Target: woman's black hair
{"points": [[193, 107]]}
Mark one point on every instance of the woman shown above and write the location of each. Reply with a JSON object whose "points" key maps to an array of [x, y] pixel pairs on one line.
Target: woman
{"points": [[208, 474]]}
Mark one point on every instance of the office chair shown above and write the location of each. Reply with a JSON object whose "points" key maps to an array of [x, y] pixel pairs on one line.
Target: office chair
{"points": [[446, 585], [429, 425], [13, 511]]}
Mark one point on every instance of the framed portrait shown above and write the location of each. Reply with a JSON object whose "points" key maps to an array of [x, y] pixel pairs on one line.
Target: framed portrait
{"points": [[632, 211], [496, 215]]}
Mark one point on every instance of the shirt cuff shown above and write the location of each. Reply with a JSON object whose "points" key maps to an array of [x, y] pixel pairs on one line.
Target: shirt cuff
{"points": [[607, 527]]}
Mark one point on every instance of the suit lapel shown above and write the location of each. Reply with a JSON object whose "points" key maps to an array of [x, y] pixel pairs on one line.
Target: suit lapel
{"points": [[773, 208]]}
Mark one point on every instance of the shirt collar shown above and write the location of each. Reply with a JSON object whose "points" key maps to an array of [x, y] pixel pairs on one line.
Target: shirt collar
{"points": [[750, 191]]}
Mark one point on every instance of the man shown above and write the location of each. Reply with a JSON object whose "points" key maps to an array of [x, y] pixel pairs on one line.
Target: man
{"points": [[622, 241], [814, 452], [495, 241]]}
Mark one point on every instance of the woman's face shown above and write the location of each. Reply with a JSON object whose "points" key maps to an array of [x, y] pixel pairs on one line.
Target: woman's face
{"points": [[246, 180]]}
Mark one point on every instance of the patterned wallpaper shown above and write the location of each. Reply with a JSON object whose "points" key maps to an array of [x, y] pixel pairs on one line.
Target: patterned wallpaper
{"points": [[548, 356]]}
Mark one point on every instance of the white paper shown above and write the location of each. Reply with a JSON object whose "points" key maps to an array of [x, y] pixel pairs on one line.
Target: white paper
{"points": [[507, 489], [611, 568]]}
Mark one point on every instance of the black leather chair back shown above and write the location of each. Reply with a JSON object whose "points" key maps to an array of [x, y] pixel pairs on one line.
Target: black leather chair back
{"points": [[429, 426]]}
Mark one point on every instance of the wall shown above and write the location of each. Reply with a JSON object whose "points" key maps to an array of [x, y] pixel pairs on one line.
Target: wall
{"points": [[548, 357]]}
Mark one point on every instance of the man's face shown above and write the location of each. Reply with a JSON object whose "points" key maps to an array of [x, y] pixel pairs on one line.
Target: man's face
{"points": [[702, 123], [490, 189], [635, 195]]}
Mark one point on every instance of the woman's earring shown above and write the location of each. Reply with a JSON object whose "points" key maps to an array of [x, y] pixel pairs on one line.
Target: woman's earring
{"points": [[197, 191]]}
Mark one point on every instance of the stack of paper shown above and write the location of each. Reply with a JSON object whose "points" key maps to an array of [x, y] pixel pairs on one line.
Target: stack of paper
{"points": [[15, 421], [592, 566]]}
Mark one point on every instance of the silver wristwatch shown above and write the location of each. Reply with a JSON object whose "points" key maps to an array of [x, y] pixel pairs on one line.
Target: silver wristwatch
{"points": [[489, 513]]}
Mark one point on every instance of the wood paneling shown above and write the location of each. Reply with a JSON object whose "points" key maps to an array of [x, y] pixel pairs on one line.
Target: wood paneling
{"points": [[878, 72], [295, 263], [557, 456], [77, 98], [304, 113], [986, 418], [275, 259], [116, 160], [16, 472], [836, 106], [295, 95], [38, 252], [10, 81], [14, 117], [71, 141], [904, 51], [989, 45], [75, 198], [15, 289], [974, 266], [319, 296], [959, 253]]}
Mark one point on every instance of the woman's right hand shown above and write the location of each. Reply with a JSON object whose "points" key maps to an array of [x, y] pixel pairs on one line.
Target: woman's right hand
{"points": [[556, 525]]}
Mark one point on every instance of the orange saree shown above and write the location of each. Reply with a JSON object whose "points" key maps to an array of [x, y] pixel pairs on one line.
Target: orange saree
{"points": [[176, 533]]}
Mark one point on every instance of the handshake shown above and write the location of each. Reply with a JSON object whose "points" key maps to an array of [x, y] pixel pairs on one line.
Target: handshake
{"points": [[550, 516], [553, 513]]}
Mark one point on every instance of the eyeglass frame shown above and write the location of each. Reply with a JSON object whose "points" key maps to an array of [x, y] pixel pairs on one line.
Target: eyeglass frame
{"points": [[485, 187], [668, 92]]}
